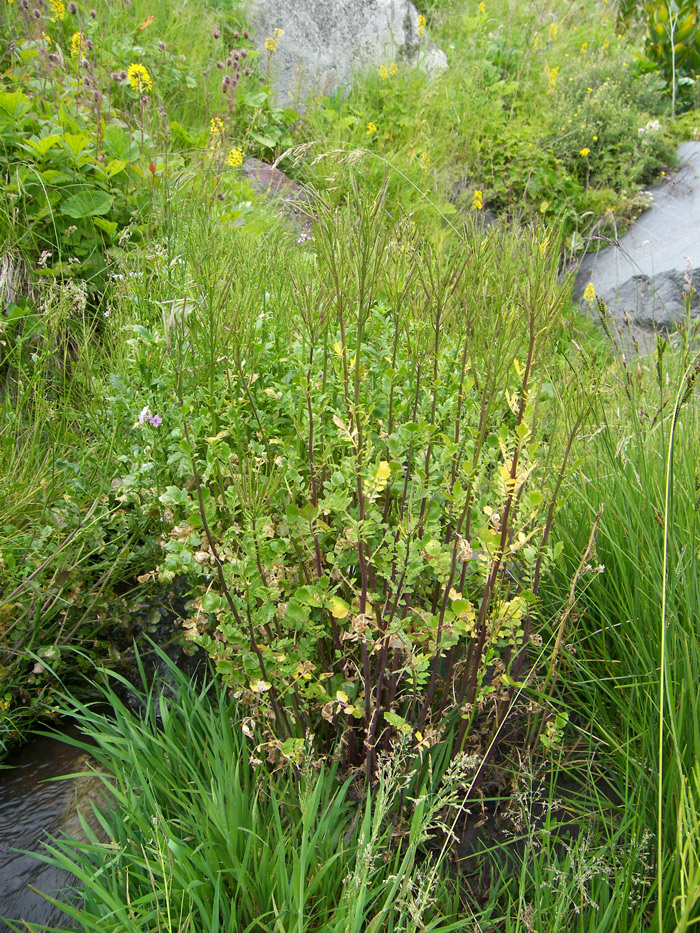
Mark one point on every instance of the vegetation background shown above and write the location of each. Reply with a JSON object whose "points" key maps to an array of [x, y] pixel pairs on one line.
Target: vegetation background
{"points": [[436, 532]]}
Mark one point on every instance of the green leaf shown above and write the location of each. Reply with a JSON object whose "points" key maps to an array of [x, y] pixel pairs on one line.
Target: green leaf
{"points": [[41, 146], [15, 104], [114, 167], [398, 722], [87, 203], [109, 226], [76, 142]]}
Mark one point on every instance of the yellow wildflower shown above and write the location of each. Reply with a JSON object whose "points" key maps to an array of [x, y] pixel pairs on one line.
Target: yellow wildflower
{"points": [[58, 9], [76, 45], [585, 152], [482, 8], [235, 157], [272, 42], [393, 68], [552, 74], [371, 127], [477, 200], [139, 78], [217, 126], [383, 72], [606, 45], [553, 31], [424, 160], [589, 292], [421, 24], [584, 48], [536, 43]]}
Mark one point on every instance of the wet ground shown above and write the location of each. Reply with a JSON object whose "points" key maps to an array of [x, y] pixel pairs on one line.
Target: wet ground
{"points": [[32, 807]]}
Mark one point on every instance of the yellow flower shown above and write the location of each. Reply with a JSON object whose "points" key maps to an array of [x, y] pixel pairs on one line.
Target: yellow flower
{"points": [[139, 78], [553, 31], [584, 48], [76, 45], [383, 72], [482, 8], [585, 152], [606, 45], [477, 200], [217, 126], [589, 292], [371, 127], [552, 74], [58, 9], [536, 43], [421, 24], [272, 42], [235, 157], [424, 160], [595, 139], [393, 68]]}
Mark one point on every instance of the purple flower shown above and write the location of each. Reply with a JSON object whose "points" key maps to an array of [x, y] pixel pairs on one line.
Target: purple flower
{"points": [[304, 236], [147, 415]]}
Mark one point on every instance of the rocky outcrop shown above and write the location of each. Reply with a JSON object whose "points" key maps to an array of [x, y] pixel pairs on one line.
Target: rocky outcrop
{"points": [[648, 273], [323, 42]]}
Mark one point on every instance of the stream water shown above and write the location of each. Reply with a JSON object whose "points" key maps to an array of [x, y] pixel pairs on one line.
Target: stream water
{"points": [[32, 808]]}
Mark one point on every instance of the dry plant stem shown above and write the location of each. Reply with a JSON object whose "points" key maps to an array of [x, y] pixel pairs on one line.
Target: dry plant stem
{"points": [[551, 678]]}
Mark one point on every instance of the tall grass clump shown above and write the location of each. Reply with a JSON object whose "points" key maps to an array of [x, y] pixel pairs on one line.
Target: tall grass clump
{"points": [[195, 833], [637, 655]]}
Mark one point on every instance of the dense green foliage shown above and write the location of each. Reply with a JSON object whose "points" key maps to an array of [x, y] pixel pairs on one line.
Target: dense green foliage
{"points": [[437, 538]]}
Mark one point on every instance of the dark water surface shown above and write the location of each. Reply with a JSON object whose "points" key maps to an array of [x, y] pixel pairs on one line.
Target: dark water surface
{"points": [[31, 808]]}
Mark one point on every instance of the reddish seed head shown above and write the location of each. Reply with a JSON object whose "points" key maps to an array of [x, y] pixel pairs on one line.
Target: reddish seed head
{"points": [[217, 33]]}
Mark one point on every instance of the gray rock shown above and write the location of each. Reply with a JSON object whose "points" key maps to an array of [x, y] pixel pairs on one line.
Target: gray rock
{"points": [[294, 201], [647, 273], [324, 42]]}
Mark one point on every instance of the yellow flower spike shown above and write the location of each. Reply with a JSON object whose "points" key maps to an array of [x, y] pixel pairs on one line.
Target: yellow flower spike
{"points": [[76, 45], [552, 75], [477, 200], [482, 8], [58, 9], [139, 78], [383, 72], [585, 153], [424, 161], [272, 42], [235, 157], [393, 69], [421, 24], [553, 31], [371, 128], [589, 292]]}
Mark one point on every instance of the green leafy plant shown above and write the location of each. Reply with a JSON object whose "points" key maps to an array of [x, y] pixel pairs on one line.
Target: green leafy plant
{"points": [[362, 517]]}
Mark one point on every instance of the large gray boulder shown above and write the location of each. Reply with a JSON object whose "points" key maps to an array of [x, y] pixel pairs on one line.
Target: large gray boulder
{"points": [[648, 272], [324, 42]]}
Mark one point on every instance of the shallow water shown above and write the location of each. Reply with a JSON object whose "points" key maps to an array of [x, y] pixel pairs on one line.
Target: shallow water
{"points": [[31, 809]]}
